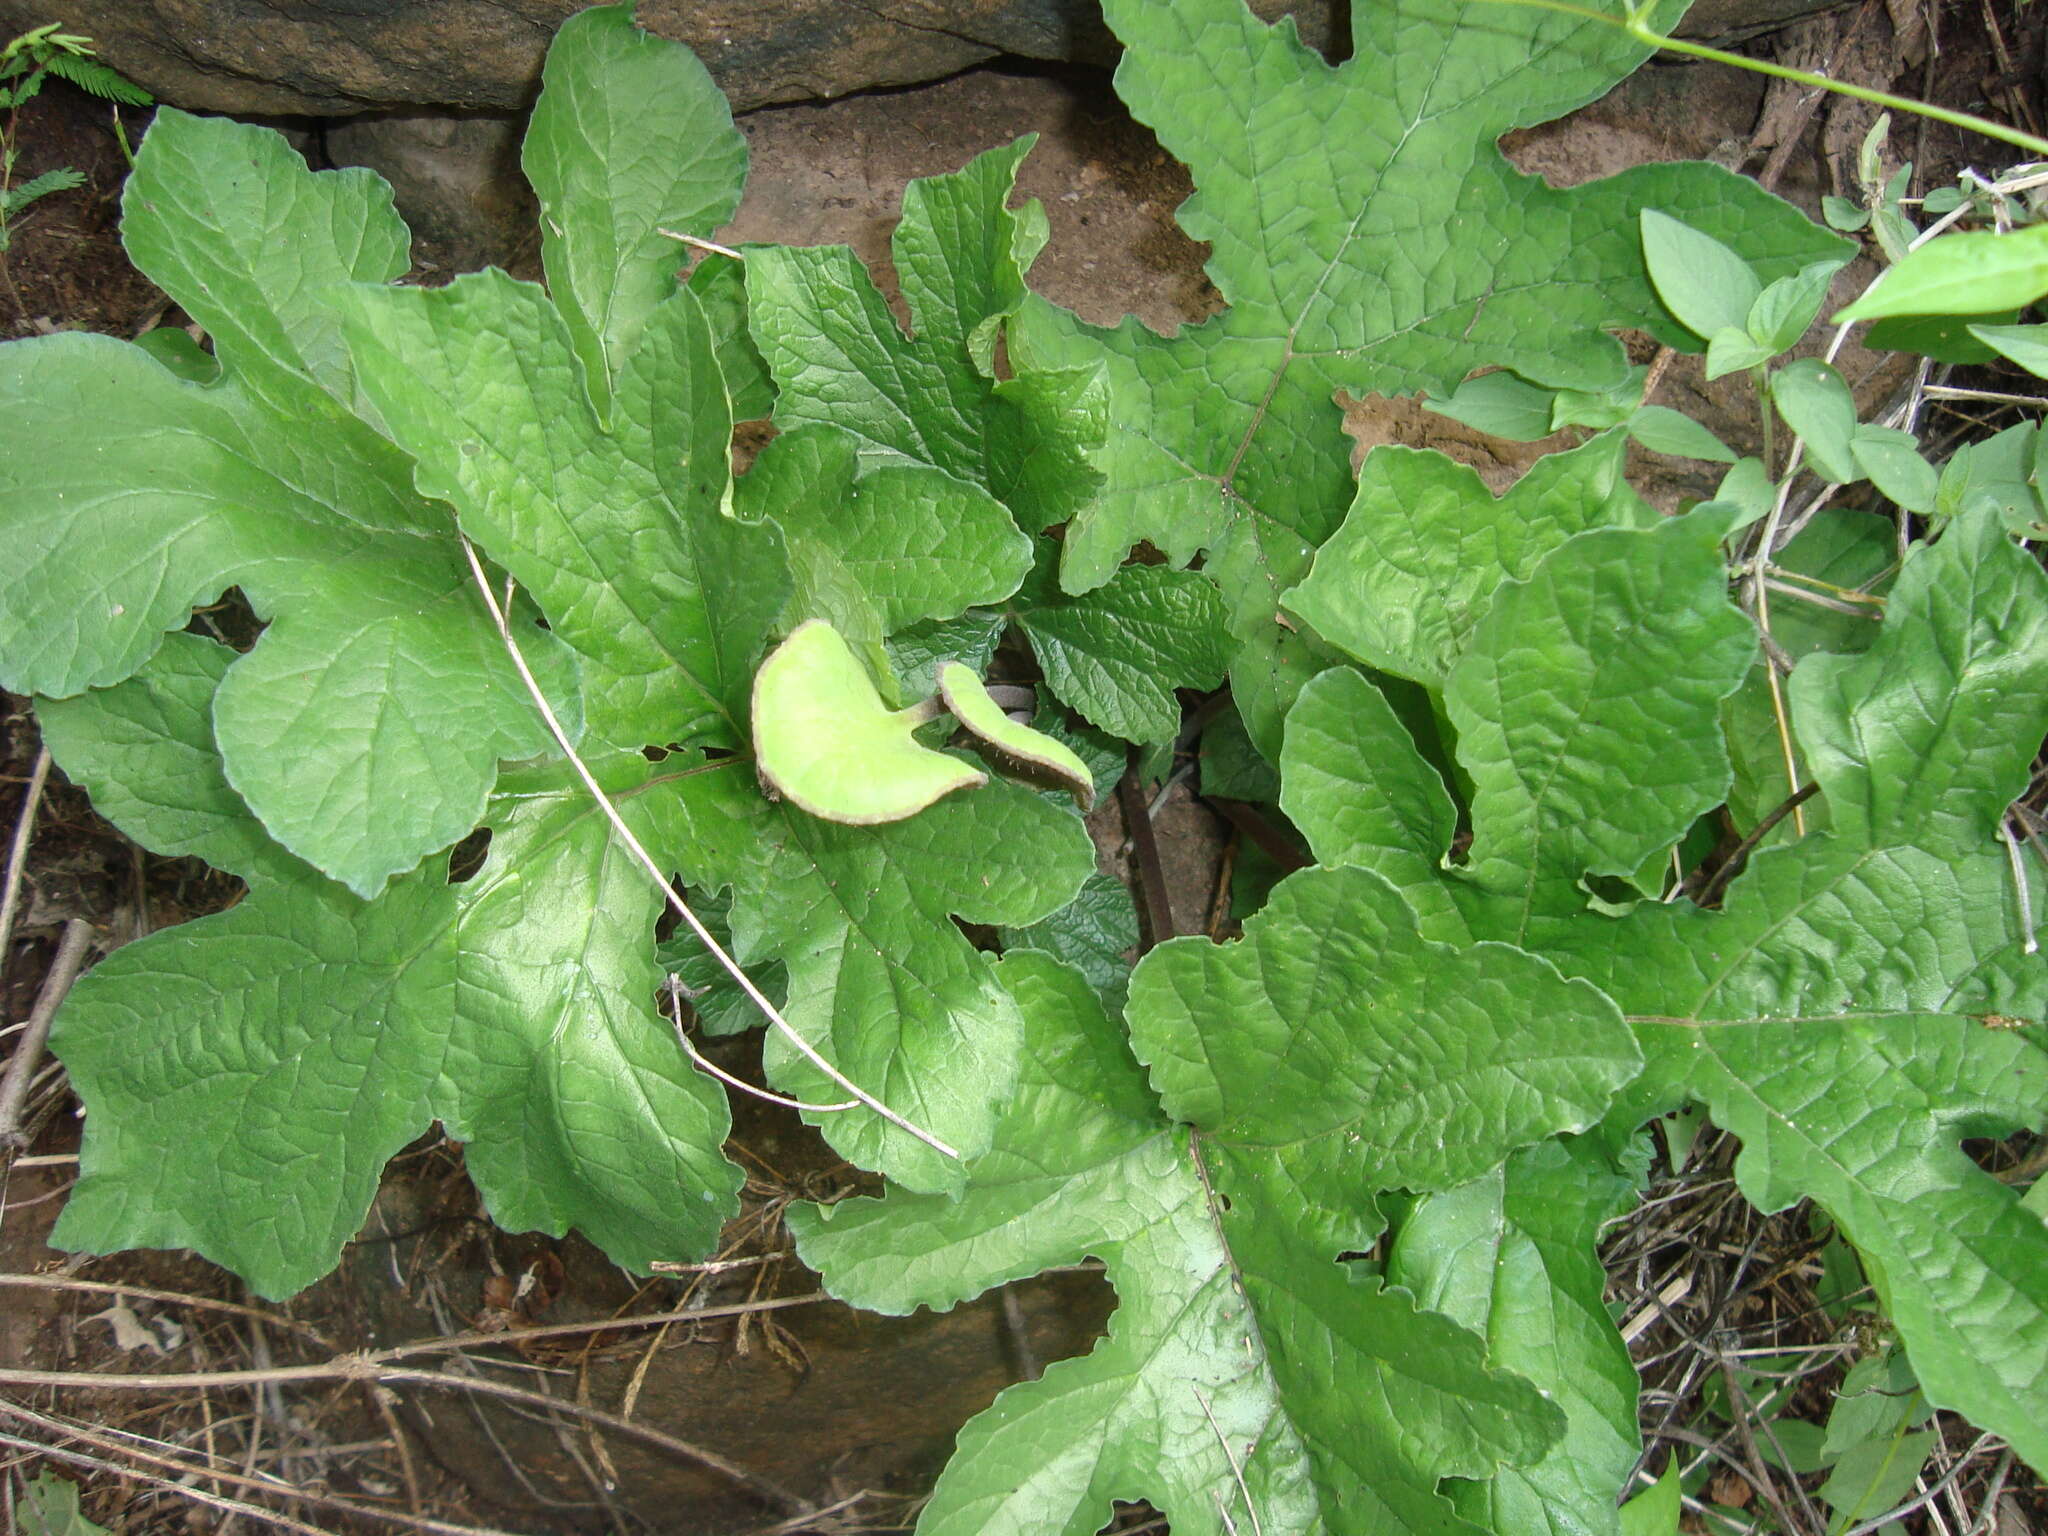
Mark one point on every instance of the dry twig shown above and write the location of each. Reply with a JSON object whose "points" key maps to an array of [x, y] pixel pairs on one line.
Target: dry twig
{"points": [[17, 852], [28, 1051]]}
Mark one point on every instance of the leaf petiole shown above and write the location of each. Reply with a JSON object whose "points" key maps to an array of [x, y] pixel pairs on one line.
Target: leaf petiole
{"points": [[646, 860], [1635, 24]]}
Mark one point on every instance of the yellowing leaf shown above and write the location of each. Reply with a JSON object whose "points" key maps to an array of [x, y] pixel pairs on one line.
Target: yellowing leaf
{"points": [[825, 741], [1033, 752]]}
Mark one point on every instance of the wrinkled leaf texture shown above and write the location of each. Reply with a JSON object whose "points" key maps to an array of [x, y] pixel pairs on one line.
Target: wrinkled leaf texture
{"points": [[1481, 1035], [1367, 236], [1855, 1009], [579, 438]]}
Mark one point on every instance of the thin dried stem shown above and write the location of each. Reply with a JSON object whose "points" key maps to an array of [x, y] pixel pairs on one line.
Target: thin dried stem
{"points": [[1925, 1500], [1230, 1455], [798, 1522], [17, 853], [371, 1369], [1787, 752], [371, 1366], [761, 1487], [184, 1489], [1988, 396], [2029, 945], [1760, 600], [702, 245], [156, 1453], [720, 1266], [1993, 1490], [1856, 606], [1733, 864], [28, 1051], [705, 1064], [681, 908], [168, 1298], [382, 1401], [1761, 1477]]}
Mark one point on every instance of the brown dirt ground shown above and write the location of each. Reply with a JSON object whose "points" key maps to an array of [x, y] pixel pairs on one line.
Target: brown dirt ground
{"points": [[813, 1397]]}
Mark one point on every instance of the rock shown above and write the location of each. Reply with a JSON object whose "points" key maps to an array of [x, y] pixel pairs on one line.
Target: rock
{"points": [[456, 180], [817, 1399], [340, 57], [336, 58]]}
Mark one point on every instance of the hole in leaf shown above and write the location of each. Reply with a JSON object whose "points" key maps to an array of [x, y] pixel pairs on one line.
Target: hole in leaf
{"points": [[748, 439], [1609, 889], [1132, 1518], [468, 856], [2017, 1160], [229, 620]]}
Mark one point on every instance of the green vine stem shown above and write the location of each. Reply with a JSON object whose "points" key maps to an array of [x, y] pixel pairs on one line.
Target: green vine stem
{"points": [[1633, 22]]}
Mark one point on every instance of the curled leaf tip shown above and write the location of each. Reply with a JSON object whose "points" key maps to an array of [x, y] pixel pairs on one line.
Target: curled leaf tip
{"points": [[825, 741], [1030, 754]]}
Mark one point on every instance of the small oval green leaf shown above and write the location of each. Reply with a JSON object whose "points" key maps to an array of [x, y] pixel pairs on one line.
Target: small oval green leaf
{"points": [[1035, 755], [1816, 404], [1945, 338], [1961, 275], [1891, 459], [1733, 349], [1663, 430], [1701, 281], [2026, 345], [1784, 311], [825, 741], [1501, 403]]}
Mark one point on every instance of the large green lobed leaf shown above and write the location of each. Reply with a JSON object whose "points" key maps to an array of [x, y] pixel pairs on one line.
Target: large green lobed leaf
{"points": [[130, 495], [629, 145], [619, 534], [296, 1041], [1481, 1032], [1860, 1004], [249, 1074], [1246, 1374], [1402, 583], [1367, 236]]}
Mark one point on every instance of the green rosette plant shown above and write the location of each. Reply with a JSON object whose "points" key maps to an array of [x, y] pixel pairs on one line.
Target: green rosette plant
{"points": [[1347, 1173]]}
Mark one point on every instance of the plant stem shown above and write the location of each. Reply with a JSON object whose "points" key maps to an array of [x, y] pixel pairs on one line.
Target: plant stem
{"points": [[1639, 29], [28, 1051], [17, 853], [1968, 121], [646, 860], [361, 1366], [1760, 381]]}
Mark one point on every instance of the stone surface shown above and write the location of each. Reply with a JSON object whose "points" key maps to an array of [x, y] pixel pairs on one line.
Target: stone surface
{"points": [[339, 57], [333, 58], [1720, 20], [456, 179], [834, 172]]}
